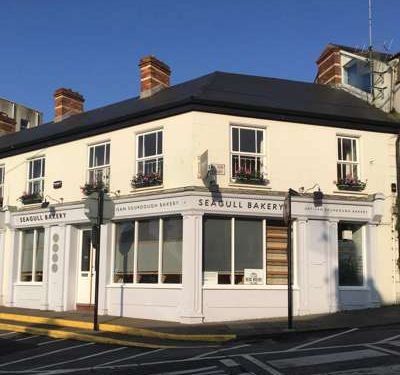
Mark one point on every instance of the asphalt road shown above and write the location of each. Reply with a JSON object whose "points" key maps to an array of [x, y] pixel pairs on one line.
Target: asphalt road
{"points": [[369, 351]]}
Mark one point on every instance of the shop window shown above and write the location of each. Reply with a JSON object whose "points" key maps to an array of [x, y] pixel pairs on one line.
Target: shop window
{"points": [[247, 155], [123, 257], [2, 176], [36, 173], [99, 165], [148, 247], [351, 253], [32, 246], [243, 251], [157, 251], [172, 251], [149, 159], [348, 168]]}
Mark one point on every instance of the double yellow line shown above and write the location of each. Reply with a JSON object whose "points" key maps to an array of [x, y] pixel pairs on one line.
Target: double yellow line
{"points": [[104, 327]]}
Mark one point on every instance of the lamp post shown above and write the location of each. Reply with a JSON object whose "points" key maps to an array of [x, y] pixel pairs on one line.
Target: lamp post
{"points": [[99, 208]]}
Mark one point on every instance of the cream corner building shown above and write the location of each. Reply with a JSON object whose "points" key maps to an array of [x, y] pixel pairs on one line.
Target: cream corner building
{"points": [[174, 250]]}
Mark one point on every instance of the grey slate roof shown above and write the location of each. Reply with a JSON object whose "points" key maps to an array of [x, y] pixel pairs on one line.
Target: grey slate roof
{"points": [[217, 92]]}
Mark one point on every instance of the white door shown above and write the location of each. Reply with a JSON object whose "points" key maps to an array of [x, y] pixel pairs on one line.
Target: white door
{"points": [[86, 269]]}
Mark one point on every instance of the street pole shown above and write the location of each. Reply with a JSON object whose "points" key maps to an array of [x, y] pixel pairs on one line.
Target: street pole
{"points": [[290, 266], [100, 202]]}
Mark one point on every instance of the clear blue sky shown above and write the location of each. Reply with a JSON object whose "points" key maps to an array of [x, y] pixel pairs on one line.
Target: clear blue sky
{"points": [[93, 46]]}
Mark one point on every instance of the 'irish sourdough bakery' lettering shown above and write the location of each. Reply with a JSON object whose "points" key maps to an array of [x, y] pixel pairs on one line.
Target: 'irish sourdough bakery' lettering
{"points": [[240, 204]]}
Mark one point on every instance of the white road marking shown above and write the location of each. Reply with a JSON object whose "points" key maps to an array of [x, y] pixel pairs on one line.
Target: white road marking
{"points": [[220, 350], [313, 360], [130, 357], [388, 339], [322, 339], [270, 370], [27, 338], [196, 371], [50, 342], [80, 358], [380, 370], [44, 354], [229, 362], [8, 333], [393, 352]]}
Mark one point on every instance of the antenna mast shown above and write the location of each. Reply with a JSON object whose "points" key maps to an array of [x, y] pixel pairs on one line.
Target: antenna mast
{"points": [[371, 64]]}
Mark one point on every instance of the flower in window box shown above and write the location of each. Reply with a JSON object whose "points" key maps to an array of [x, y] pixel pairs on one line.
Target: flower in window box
{"points": [[90, 188], [350, 183], [247, 176], [144, 180], [30, 198]]}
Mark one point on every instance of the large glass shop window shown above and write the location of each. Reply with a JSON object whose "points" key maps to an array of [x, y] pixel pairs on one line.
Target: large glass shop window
{"points": [[156, 247], [244, 251], [32, 246], [350, 246]]}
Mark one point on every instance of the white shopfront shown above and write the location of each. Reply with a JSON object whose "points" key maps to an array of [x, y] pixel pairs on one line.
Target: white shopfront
{"points": [[191, 257]]}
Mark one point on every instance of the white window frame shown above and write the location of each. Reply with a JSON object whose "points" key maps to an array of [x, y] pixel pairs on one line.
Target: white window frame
{"points": [[351, 163], [264, 260], [364, 286], [105, 167], [260, 155], [156, 156], [41, 179], [20, 242], [135, 283]]}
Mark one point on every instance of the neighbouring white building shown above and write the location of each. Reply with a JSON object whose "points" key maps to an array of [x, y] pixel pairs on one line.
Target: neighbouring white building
{"points": [[177, 251]]}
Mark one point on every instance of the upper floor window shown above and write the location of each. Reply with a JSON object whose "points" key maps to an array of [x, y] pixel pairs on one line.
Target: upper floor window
{"points": [[36, 173], [24, 124], [2, 175], [99, 164], [357, 74], [247, 155], [149, 160], [348, 167]]}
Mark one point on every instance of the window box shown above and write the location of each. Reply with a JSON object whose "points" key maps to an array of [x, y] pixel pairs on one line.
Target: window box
{"points": [[351, 184], [146, 180], [28, 198], [88, 188], [247, 177]]}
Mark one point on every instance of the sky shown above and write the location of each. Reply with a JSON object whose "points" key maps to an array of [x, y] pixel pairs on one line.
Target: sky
{"points": [[94, 46]]}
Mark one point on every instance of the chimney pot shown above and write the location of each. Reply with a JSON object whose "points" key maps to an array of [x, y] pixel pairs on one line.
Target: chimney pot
{"points": [[154, 76], [67, 103]]}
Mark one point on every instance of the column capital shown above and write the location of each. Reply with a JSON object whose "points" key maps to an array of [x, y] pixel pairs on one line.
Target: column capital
{"points": [[192, 213]]}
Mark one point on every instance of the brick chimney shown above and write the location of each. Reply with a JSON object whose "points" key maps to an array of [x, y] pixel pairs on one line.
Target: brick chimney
{"points": [[67, 103], [154, 76], [7, 124], [329, 67]]}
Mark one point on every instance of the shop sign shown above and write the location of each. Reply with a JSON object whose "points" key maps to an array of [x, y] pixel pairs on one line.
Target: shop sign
{"points": [[246, 205], [333, 210]]}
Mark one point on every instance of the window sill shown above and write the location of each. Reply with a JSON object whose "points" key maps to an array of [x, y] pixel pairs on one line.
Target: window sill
{"points": [[347, 192], [350, 288], [144, 286], [249, 186], [247, 287], [28, 283], [147, 188]]}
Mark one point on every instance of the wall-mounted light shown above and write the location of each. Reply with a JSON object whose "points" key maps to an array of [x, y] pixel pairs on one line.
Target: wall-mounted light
{"points": [[347, 235], [393, 187], [45, 204]]}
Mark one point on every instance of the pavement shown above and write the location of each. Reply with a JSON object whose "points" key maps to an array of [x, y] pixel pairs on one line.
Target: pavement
{"points": [[155, 334]]}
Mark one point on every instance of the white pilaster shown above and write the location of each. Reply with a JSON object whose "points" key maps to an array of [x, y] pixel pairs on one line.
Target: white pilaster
{"points": [[333, 266], [105, 261], [371, 253], [13, 258], [302, 265], [46, 268], [192, 301], [2, 265]]}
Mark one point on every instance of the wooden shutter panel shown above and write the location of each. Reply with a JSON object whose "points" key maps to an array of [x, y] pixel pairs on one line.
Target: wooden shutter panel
{"points": [[277, 261]]}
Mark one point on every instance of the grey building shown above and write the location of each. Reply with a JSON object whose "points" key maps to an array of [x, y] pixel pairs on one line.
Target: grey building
{"points": [[16, 117]]}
